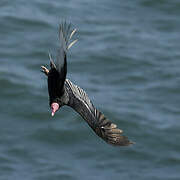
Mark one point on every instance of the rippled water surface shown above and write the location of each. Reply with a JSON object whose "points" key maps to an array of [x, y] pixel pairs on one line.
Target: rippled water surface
{"points": [[128, 61]]}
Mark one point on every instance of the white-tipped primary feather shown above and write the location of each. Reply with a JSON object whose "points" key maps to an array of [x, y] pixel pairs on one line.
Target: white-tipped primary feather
{"points": [[63, 43], [72, 34], [72, 43], [65, 35]]}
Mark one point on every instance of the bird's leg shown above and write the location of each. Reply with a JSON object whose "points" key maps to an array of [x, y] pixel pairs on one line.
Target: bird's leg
{"points": [[44, 70]]}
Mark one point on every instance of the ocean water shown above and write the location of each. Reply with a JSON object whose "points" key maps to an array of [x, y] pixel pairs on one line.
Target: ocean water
{"points": [[127, 59]]}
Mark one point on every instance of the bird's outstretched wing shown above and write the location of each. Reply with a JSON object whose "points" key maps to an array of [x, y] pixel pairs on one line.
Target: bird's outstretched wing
{"points": [[58, 71], [104, 128]]}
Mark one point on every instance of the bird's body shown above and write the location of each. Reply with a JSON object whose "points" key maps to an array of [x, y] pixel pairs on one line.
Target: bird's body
{"points": [[63, 92]]}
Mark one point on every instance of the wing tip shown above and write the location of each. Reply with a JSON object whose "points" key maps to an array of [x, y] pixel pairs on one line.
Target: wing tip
{"points": [[65, 34], [112, 135], [120, 141]]}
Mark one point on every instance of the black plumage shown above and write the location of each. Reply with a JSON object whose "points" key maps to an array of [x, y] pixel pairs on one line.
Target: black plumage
{"points": [[56, 79], [64, 92]]}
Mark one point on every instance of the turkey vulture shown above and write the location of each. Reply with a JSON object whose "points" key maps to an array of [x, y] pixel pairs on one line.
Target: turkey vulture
{"points": [[63, 92]]}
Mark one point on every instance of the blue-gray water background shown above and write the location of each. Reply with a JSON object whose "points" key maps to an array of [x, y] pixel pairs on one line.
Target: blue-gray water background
{"points": [[128, 61]]}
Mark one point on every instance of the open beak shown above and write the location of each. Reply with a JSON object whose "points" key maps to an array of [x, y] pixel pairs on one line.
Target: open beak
{"points": [[54, 108]]}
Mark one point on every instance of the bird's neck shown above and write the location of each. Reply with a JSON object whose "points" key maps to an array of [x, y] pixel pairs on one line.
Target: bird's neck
{"points": [[65, 97]]}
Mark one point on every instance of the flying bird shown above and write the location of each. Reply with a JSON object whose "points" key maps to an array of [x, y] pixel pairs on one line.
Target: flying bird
{"points": [[63, 92]]}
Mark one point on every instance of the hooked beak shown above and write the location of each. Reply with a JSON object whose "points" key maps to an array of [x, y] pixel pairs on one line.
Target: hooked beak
{"points": [[54, 108]]}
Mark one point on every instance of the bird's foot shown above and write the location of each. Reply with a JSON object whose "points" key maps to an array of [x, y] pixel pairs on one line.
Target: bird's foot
{"points": [[44, 70]]}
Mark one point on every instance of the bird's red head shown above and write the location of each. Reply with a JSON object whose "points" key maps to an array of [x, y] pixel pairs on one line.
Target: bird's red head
{"points": [[54, 108]]}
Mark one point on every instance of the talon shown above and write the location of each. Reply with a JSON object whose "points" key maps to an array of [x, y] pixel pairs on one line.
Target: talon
{"points": [[44, 70]]}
